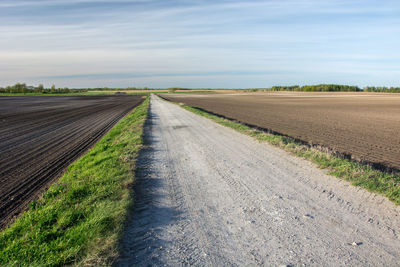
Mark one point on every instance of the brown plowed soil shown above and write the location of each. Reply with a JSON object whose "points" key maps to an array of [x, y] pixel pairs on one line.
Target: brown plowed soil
{"points": [[41, 135], [363, 126]]}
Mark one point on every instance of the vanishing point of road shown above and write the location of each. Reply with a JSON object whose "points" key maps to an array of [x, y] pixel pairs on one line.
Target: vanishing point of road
{"points": [[209, 196]]}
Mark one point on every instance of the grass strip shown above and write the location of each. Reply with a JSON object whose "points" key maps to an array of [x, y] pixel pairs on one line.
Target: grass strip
{"points": [[73, 93], [363, 175], [79, 219], [104, 93]]}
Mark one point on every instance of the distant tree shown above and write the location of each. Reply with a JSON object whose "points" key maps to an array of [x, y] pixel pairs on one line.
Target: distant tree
{"points": [[53, 89], [20, 88], [39, 89], [286, 88]]}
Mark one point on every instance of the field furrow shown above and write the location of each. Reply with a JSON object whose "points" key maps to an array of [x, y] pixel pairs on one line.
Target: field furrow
{"points": [[41, 136]]}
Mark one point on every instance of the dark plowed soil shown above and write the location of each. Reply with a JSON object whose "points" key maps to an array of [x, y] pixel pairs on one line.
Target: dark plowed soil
{"points": [[41, 135], [363, 126]]}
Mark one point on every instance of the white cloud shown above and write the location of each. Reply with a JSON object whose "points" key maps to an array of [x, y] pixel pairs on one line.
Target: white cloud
{"points": [[308, 39]]}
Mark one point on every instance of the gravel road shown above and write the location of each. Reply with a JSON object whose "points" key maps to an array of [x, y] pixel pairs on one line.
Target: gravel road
{"points": [[209, 196]]}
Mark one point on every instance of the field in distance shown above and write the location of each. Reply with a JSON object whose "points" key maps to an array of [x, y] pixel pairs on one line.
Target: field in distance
{"points": [[143, 91], [365, 126]]}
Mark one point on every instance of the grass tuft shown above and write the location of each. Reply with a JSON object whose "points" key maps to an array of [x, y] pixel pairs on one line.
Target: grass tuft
{"points": [[79, 219], [387, 184]]}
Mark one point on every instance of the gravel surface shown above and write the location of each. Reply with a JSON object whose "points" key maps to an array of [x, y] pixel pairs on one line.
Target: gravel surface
{"points": [[207, 195]]}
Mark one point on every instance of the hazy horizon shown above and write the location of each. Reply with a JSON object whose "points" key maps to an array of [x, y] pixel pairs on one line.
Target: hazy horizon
{"points": [[199, 44]]}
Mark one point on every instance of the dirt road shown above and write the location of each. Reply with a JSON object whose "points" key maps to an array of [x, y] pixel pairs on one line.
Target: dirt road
{"points": [[209, 196]]}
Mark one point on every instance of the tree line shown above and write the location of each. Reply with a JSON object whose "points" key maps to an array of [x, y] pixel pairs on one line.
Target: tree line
{"points": [[23, 89], [318, 88], [336, 88], [382, 89]]}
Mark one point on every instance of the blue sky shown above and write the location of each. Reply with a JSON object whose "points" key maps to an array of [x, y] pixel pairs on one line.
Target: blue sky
{"points": [[218, 44]]}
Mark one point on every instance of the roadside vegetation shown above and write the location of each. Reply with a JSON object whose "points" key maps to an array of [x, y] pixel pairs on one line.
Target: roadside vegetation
{"points": [[387, 184], [79, 219]]}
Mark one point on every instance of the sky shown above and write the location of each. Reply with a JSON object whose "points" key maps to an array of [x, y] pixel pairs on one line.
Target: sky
{"points": [[199, 43]]}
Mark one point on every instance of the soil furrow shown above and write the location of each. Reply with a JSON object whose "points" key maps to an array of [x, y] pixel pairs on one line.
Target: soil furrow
{"points": [[35, 157]]}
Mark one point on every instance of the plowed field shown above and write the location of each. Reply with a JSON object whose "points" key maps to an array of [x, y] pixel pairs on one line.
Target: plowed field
{"points": [[41, 135], [363, 126]]}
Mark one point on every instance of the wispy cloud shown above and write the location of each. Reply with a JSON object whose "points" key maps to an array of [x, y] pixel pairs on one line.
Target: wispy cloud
{"points": [[192, 43]]}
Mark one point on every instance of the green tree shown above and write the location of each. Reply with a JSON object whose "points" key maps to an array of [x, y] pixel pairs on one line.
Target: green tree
{"points": [[39, 89]]}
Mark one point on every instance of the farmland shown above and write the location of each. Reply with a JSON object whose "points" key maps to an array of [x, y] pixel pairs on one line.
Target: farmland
{"points": [[40, 136], [168, 186], [361, 126]]}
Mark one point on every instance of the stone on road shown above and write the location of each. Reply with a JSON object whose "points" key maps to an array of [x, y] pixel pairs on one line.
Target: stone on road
{"points": [[206, 195]]}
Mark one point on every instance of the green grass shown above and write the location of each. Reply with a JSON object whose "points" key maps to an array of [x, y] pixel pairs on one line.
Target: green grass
{"points": [[358, 174], [35, 94], [105, 92], [126, 93], [80, 93], [79, 219], [47, 94]]}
